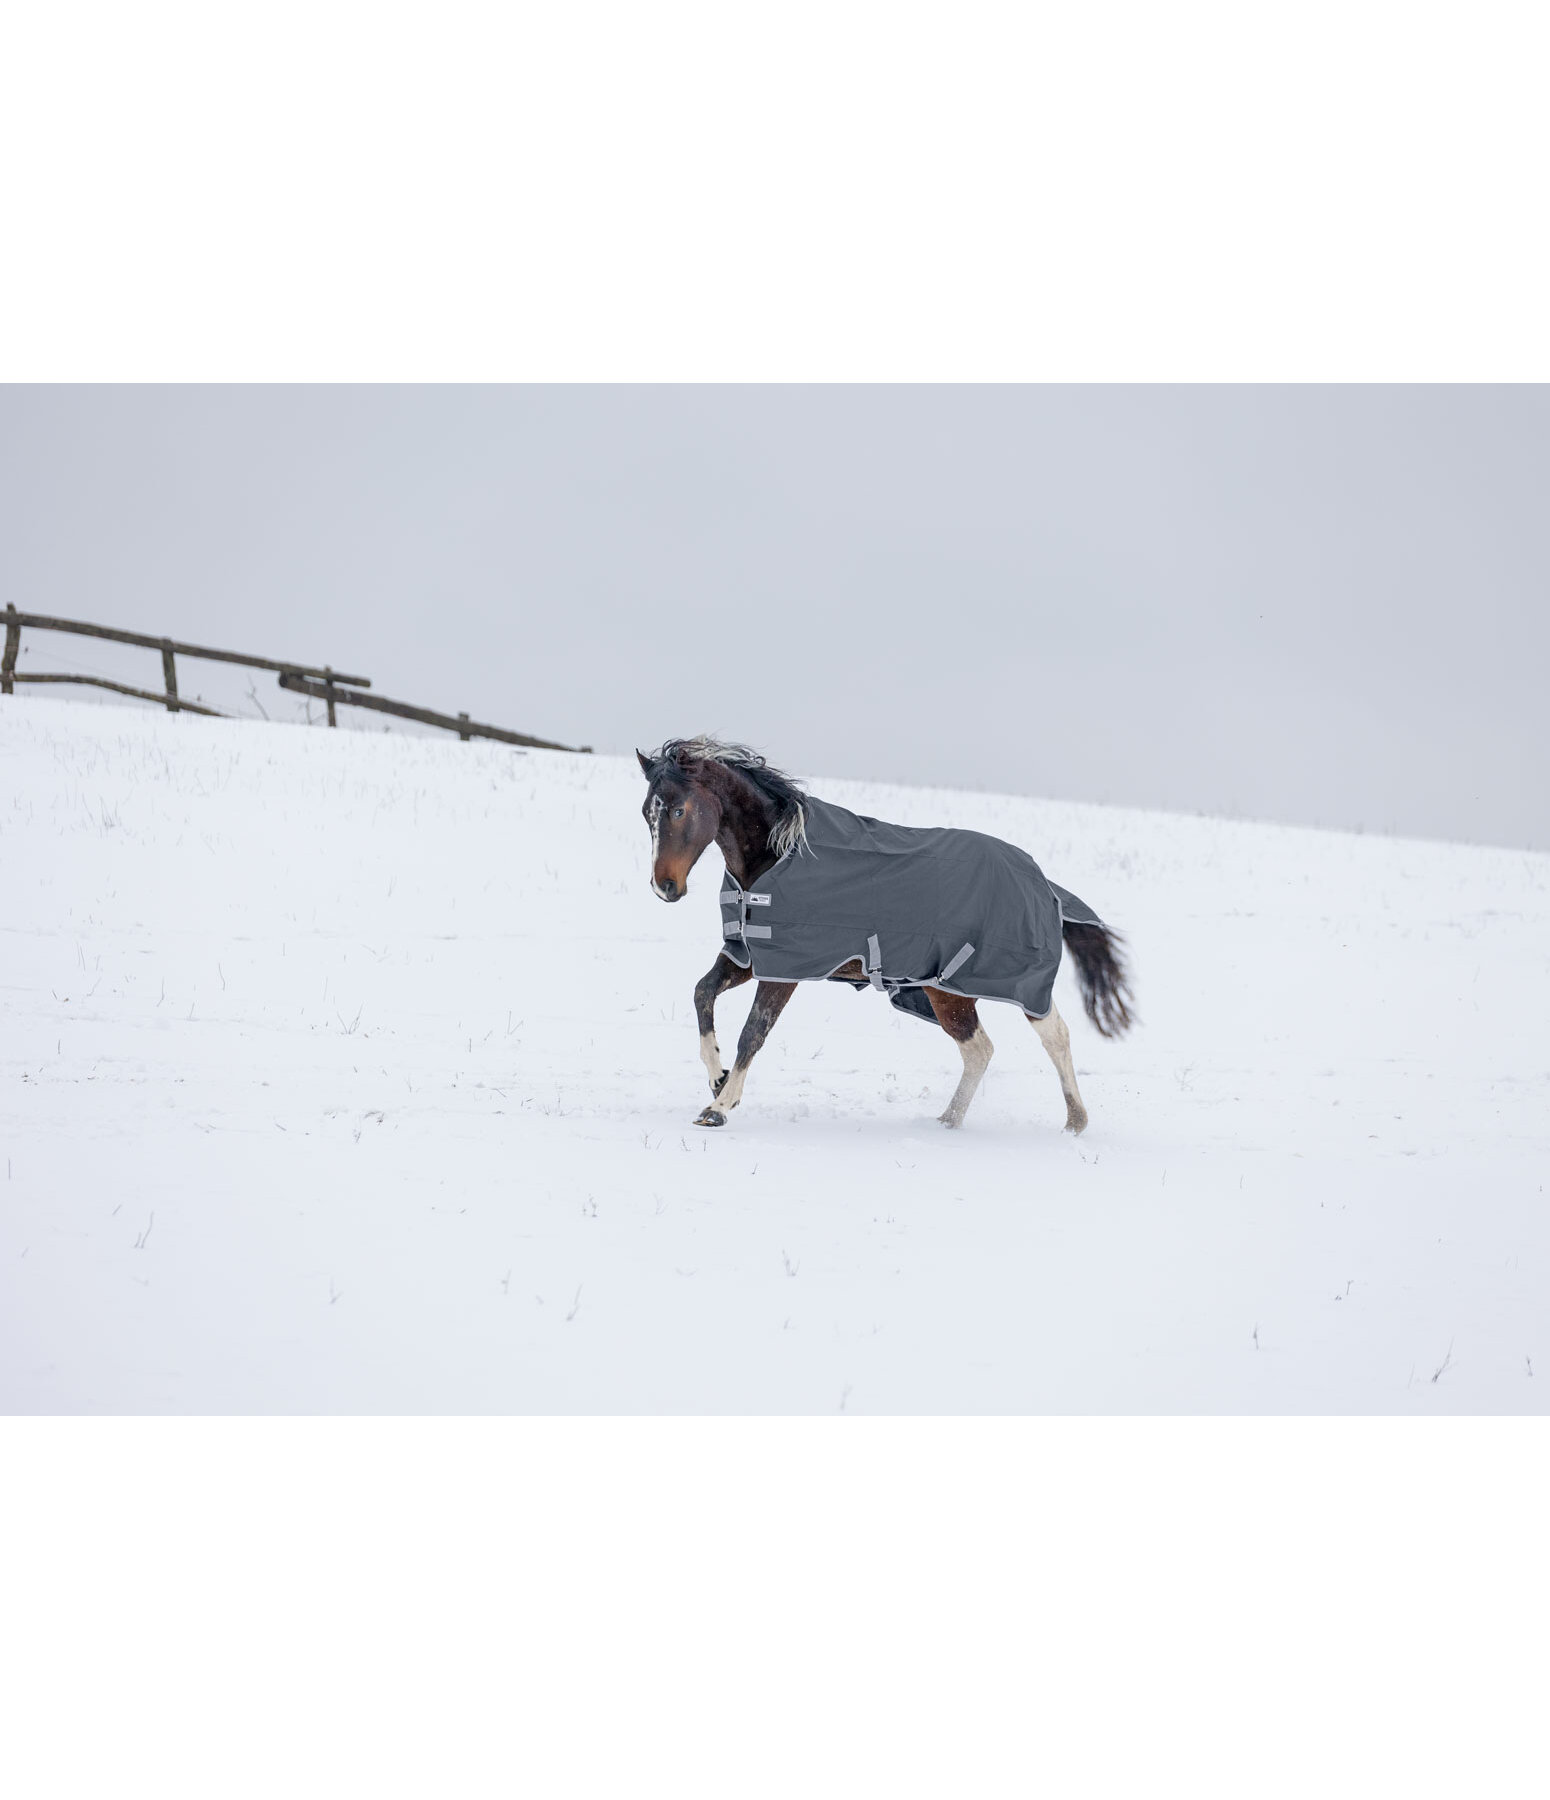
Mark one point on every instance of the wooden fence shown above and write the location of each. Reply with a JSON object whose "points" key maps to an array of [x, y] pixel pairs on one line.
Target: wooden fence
{"points": [[324, 684]]}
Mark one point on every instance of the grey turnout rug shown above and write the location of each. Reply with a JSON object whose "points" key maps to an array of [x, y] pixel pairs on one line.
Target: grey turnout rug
{"points": [[955, 909]]}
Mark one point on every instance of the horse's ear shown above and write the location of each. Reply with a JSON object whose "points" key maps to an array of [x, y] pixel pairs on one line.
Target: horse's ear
{"points": [[645, 764]]}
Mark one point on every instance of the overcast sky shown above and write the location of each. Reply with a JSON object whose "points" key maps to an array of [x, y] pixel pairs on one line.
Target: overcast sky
{"points": [[1321, 605]]}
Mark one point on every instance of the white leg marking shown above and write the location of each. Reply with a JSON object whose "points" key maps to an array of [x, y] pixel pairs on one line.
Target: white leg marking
{"points": [[716, 1112], [733, 1091], [977, 1052], [1057, 1040], [710, 1055]]}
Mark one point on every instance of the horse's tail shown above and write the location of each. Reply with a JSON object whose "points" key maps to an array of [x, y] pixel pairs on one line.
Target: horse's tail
{"points": [[1104, 978]]}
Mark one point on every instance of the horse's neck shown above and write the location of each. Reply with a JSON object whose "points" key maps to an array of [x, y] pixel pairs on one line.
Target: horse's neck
{"points": [[747, 819]]}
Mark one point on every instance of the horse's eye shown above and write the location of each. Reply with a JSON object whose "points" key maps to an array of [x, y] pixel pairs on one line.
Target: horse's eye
{"points": [[678, 812]]}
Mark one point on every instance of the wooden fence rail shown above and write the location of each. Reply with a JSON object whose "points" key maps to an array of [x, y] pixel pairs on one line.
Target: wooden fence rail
{"points": [[324, 684], [14, 621], [462, 724], [118, 687]]}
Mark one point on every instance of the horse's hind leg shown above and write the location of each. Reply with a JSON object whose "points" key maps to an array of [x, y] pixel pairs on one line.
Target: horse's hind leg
{"points": [[768, 1004], [725, 974], [960, 1019], [1057, 1040]]}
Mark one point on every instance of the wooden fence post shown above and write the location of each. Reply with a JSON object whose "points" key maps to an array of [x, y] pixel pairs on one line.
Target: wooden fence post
{"points": [[328, 682], [13, 638], [169, 668], [463, 735]]}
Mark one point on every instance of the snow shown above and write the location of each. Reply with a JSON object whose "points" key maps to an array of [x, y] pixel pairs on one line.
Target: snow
{"points": [[346, 1072]]}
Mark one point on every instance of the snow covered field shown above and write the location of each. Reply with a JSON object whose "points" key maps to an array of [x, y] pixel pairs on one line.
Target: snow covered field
{"points": [[344, 1072]]}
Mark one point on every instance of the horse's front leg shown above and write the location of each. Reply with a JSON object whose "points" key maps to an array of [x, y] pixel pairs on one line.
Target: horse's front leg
{"points": [[768, 1004], [723, 975]]}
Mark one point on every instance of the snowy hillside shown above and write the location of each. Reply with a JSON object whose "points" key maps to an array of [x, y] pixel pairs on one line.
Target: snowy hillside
{"points": [[353, 1073]]}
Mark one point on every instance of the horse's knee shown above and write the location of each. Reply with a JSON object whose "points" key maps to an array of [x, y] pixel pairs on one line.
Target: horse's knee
{"points": [[705, 992]]}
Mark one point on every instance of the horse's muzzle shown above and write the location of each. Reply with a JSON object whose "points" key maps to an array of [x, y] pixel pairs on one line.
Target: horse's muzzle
{"points": [[667, 889]]}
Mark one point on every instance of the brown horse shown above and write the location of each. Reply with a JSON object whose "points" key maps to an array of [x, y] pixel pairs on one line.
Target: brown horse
{"points": [[700, 791]]}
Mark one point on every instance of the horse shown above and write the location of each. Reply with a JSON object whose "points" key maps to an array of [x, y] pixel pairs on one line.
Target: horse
{"points": [[702, 791]]}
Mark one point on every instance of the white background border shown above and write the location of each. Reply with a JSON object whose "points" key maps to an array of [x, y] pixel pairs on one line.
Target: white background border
{"points": [[313, 190], [751, 1608]]}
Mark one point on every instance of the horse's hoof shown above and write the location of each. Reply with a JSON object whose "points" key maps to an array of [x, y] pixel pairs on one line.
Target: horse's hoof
{"points": [[711, 1116], [1077, 1126], [949, 1121]]}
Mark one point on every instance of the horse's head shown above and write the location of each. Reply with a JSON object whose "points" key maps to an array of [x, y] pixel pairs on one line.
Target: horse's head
{"points": [[683, 816]]}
